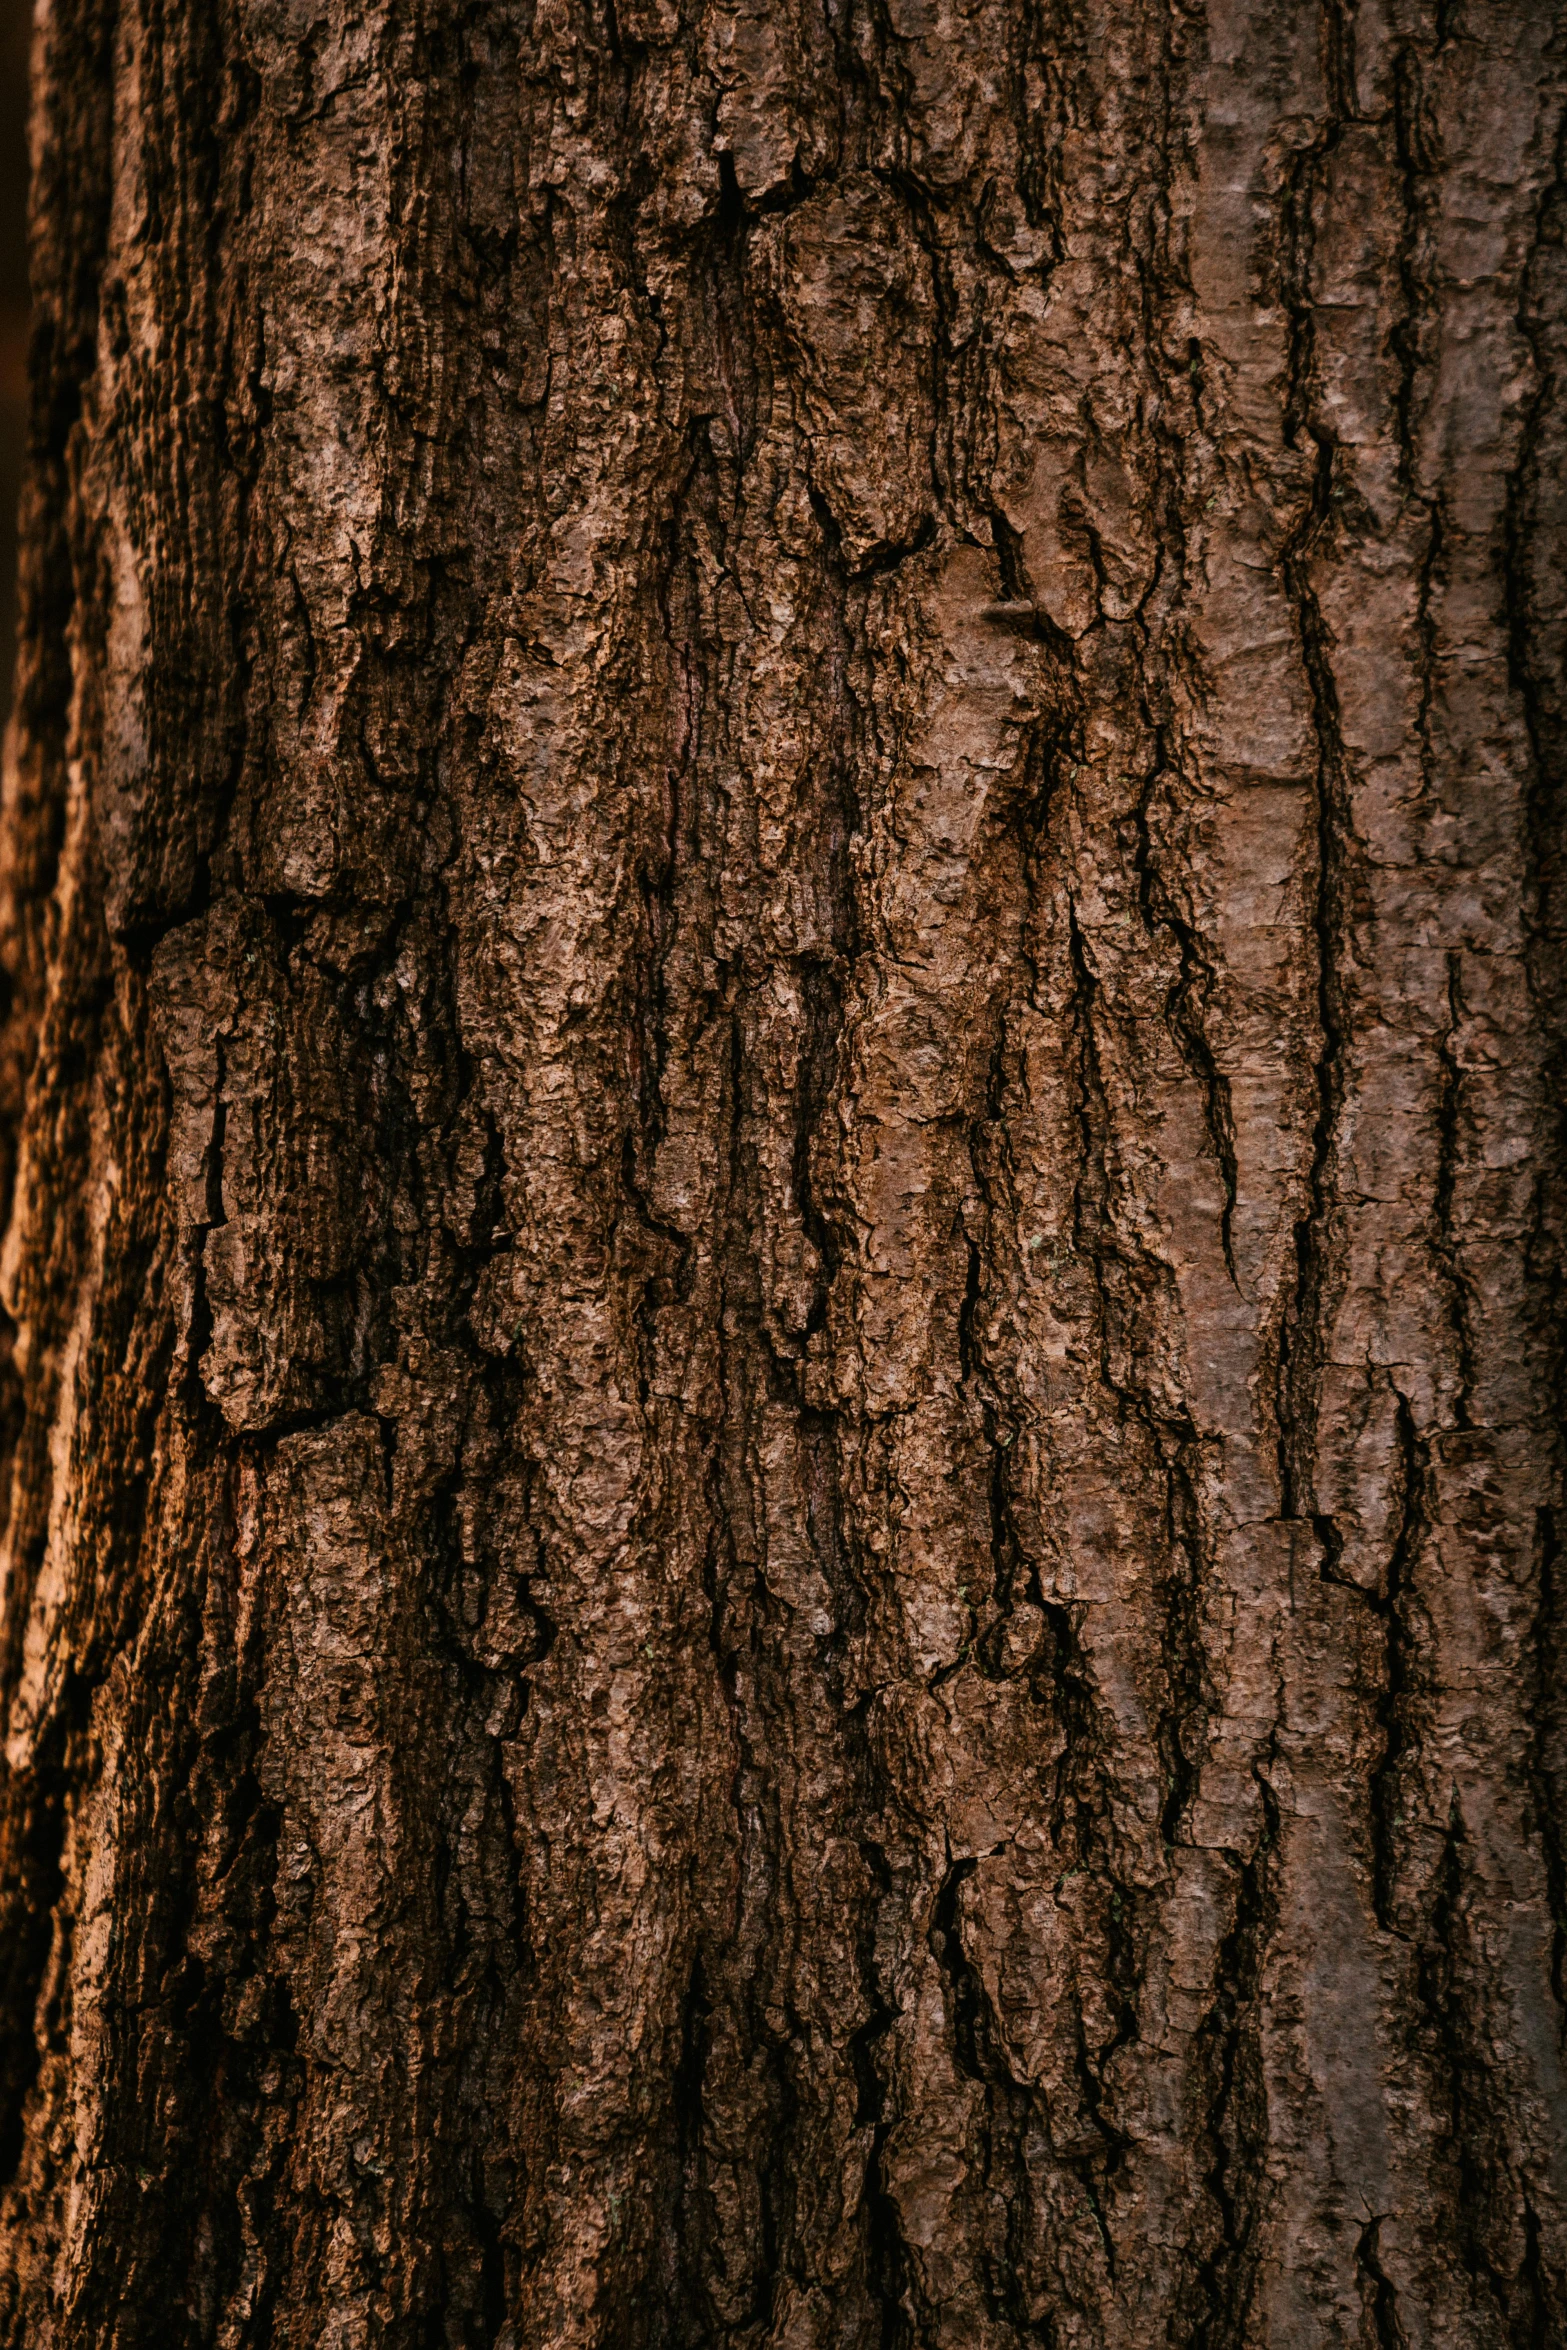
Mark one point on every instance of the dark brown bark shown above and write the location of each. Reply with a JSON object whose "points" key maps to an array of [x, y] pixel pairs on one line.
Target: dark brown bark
{"points": [[783, 899]]}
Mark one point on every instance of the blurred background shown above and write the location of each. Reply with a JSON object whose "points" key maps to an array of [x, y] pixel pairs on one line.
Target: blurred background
{"points": [[16, 21]]}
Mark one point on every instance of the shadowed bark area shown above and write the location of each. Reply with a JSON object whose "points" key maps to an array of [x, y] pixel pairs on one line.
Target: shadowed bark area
{"points": [[783, 909]]}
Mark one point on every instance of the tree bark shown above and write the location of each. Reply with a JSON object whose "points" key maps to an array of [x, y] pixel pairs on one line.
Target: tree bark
{"points": [[783, 898]]}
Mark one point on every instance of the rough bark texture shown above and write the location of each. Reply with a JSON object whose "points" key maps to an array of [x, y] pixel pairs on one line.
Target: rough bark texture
{"points": [[784, 907]]}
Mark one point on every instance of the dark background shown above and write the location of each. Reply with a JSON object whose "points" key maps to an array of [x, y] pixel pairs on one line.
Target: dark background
{"points": [[16, 18]]}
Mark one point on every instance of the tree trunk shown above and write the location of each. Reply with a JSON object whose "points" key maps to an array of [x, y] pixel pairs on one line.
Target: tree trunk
{"points": [[785, 922]]}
